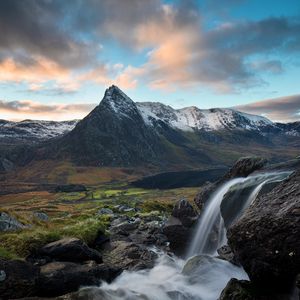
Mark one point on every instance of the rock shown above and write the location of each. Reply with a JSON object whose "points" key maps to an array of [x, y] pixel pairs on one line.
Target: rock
{"points": [[18, 279], [41, 216], [125, 208], [226, 253], [203, 195], [105, 211], [69, 188], [8, 223], [243, 290], [185, 212], [245, 166], [237, 290], [59, 278], [195, 263], [242, 168], [70, 249], [266, 239], [100, 240], [178, 235], [129, 256]]}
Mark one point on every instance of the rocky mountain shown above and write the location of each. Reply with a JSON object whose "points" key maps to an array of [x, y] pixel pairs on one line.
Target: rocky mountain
{"points": [[114, 134], [193, 118], [121, 132], [32, 130]]}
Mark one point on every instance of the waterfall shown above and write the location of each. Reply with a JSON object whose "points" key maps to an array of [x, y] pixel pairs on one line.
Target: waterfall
{"points": [[208, 220], [211, 221]]}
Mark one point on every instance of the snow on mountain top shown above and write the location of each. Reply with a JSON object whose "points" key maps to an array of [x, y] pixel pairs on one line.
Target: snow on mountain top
{"points": [[35, 129], [190, 118], [118, 101]]}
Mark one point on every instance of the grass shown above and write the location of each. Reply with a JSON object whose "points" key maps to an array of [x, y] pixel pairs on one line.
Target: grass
{"points": [[75, 214], [22, 243]]}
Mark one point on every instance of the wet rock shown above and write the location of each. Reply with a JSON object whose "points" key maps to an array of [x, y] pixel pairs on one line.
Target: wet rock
{"points": [[226, 253], [237, 290], [203, 195], [18, 279], [8, 223], [58, 278], [245, 166], [266, 239], [244, 290], [242, 168], [185, 212], [177, 235], [41, 216], [70, 249], [129, 256]]}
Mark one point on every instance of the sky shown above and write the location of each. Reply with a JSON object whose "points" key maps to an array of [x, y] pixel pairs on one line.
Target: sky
{"points": [[57, 57]]}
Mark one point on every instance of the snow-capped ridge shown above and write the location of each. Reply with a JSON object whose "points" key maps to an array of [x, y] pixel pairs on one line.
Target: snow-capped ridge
{"points": [[35, 129], [191, 118]]}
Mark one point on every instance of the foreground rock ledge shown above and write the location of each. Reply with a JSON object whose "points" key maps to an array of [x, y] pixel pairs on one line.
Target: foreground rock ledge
{"points": [[266, 239]]}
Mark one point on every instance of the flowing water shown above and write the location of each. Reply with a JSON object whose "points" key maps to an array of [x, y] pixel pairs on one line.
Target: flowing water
{"points": [[201, 276]]}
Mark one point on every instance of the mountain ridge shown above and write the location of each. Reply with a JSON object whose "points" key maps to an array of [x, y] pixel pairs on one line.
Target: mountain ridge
{"points": [[122, 133]]}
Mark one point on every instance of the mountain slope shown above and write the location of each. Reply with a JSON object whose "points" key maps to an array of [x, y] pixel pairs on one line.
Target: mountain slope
{"points": [[32, 130], [114, 133]]}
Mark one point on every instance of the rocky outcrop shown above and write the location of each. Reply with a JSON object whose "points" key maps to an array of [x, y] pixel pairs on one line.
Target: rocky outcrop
{"points": [[70, 249], [266, 239], [244, 290], [129, 256], [245, 166], [242, 168], [18, 279], [58, 278], [179, 226], [8, 223], [185, 212]]}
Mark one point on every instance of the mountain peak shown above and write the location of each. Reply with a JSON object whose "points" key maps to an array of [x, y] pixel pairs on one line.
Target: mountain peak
{"points": [[118, 101]]}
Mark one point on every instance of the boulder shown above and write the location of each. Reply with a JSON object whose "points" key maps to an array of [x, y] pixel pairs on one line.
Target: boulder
{"points": [[266, 239], [177, 235], [245, 166], [18, 279], [59, 278], [185, 212], [41, 216], [70, 249], [244, 290], [8, 223], [129, 256]]}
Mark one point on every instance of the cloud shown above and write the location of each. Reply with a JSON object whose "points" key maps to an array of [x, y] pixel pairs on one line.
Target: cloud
{"points": [[69, 37], [283, 109], [28, 109]]}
